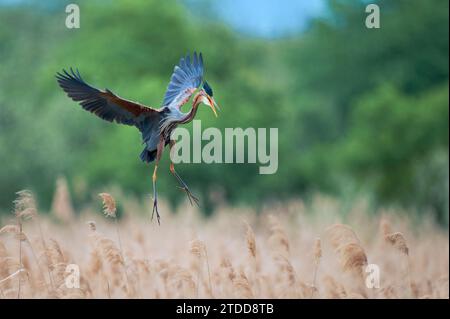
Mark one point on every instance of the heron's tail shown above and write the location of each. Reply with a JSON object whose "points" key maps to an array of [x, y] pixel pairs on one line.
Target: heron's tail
{"points": [[147, 156]]}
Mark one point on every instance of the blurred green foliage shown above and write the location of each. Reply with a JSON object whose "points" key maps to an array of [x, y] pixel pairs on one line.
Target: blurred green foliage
{"points": [[358, 110]]}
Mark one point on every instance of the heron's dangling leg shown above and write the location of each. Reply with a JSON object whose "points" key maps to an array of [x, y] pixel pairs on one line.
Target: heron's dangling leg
{"points": [[155, 194], [183, 187]]}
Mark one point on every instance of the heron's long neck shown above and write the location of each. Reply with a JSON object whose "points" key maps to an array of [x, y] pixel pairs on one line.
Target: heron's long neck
{"points": [[191, 114]]}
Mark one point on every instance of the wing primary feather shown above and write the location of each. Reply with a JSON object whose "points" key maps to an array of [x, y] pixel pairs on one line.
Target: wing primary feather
{"points": [[104, 104], [195, 60]]}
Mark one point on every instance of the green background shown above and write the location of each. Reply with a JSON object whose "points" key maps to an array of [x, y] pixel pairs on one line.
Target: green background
{"points": [[360, 112]]}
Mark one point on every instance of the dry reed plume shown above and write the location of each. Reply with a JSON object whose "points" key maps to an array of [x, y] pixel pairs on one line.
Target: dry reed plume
{"points": [[287, 251]]}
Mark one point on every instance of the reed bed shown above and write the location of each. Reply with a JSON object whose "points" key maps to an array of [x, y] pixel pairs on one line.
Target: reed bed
{"points": [[288, 250]]}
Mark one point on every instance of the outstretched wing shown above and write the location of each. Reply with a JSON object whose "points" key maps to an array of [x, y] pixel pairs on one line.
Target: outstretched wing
{"points": [[186, 78], [104, 104]]}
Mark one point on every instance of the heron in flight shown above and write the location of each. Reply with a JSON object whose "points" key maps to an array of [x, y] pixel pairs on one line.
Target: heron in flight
{"points": [[155, 125]]}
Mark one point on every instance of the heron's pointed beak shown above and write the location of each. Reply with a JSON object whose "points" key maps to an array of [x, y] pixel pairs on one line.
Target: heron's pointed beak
{"points": [[213, 105], [216, 105]]}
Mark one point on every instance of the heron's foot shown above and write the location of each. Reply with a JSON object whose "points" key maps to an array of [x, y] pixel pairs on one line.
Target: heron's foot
{"points": [[155, 209], [192, 198]]}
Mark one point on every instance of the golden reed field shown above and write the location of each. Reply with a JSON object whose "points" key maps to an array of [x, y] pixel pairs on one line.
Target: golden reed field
{"points": [[290, 250]]}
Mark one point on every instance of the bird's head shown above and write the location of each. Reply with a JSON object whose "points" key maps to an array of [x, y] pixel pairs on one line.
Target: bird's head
{"points": [[206, 97]]}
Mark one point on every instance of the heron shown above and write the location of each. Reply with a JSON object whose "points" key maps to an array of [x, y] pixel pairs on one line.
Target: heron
{"points": [[154, 124]]}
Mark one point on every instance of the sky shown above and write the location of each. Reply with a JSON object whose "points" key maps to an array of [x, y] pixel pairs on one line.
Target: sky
{"points": [[260, 18], [268, 18]]}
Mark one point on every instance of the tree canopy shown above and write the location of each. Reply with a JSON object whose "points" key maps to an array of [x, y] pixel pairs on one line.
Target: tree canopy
{"points": [[357, 109]]}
